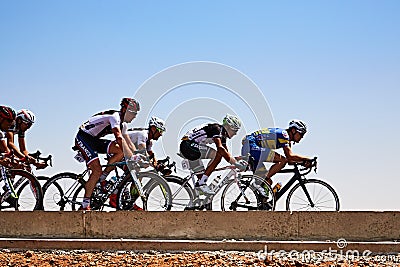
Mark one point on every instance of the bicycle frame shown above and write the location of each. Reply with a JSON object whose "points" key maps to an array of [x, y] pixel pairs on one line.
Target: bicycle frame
{"points": [[297, 177]]}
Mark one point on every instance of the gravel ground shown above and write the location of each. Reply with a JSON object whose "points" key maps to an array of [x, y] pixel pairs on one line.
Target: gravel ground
{"points": [[193, 259]]}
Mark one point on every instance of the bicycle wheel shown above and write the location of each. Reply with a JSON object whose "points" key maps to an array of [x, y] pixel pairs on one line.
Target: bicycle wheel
{"points": [[29, 191], [59, 190], [182, 193], [322, 195], [242, 195], [157, 194]]}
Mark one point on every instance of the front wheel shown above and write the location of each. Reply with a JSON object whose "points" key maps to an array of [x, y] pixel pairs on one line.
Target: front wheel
{"points": [[182, 193], [29, 191], [157, 194], [315, 195], [243, 194]]}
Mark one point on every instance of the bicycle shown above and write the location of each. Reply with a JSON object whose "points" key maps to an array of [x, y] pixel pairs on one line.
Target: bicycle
{"points": [[19, 187], [306, 195], [147, 190], [242, 193]]}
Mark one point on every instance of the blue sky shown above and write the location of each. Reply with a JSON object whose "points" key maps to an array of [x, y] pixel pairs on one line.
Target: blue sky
{"points": [[334, 64]]}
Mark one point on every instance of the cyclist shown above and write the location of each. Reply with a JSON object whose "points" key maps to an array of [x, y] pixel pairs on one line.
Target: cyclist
{"points": [[89, 142], [194, 147], [262, 144], [7, 119], [24, 120]]}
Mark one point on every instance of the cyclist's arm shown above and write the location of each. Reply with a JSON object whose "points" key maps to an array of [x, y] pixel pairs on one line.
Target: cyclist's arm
{"points": [[223, 150], [291, 157], [11, 145], [3, 147], [129, 142], [120, 141]]}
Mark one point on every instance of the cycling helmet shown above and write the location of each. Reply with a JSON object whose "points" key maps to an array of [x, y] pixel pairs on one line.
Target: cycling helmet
{"points": [[27, 116], [131, 104], [299, 125], [7, 113], [232, 121], [158, 123]]}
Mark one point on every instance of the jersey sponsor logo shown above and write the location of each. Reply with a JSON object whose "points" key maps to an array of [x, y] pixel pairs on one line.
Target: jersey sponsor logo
{"points": [[285, 134], [83, 147]]}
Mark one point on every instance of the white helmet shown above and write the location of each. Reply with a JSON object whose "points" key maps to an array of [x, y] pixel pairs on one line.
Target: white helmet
{"points": [[158, 123], [299, 125], [27, 116], [232, 121]]}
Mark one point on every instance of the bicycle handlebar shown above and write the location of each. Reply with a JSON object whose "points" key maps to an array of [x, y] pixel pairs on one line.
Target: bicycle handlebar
{"points": [[37, 157]]}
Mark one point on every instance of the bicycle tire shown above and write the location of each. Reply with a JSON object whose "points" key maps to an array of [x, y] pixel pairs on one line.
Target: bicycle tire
{"points": [[182, 195], [297, 200], [232, 198], [30, 194], [157, 194], [59, 190]]}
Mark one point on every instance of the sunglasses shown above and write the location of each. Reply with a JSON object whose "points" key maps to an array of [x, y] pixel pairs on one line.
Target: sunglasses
{"points": [[131, 111], [159, 130]]}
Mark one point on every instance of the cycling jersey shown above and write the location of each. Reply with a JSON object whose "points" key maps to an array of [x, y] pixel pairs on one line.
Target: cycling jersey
{"points": [[88, 140], [261, 145], [273, 138], [205, 133], [194, 143], [102, 124], [139, 137]]}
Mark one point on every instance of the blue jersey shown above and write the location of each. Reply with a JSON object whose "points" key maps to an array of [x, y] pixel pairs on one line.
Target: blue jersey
{"points": [[272, 138]]}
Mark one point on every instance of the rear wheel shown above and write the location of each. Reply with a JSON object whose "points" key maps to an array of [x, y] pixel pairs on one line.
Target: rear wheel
{"points": [[58, 192], [243, 195], [323, 197]]}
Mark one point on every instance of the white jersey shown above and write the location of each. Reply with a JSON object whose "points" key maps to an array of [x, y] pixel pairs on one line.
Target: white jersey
{"points": [[102, 124], [2, 135], [140, 137]]}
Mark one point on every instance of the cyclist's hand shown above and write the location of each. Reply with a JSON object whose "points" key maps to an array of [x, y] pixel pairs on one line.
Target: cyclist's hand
{"points": [[40, 165], [241, 165], [308, 163], [138, 157]]}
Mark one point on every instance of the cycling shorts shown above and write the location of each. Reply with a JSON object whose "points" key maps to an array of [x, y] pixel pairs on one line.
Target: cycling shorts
{"points": [[260, 154], [90, 146]]}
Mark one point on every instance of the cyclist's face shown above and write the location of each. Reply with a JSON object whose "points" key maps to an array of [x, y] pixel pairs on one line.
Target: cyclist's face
{"points": [[157, 133], [129, 116], [231, 133], [25, 125], [298, 136]]}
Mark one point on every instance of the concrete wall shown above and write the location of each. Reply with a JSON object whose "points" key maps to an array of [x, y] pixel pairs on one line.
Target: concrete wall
{"points": [[311, 226]]}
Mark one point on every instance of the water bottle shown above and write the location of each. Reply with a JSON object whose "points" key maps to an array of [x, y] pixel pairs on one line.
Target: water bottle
{"points": [[277, 187], [215, 181], [110, 183]]}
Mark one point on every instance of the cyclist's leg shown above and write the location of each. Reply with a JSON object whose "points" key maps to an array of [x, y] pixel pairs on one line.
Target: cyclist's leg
{"points": [[117, 154], [279, 163], [86, 144]]}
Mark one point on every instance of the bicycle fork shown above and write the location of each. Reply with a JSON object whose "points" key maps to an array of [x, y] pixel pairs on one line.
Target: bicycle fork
{"points": [[303, 186]]}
